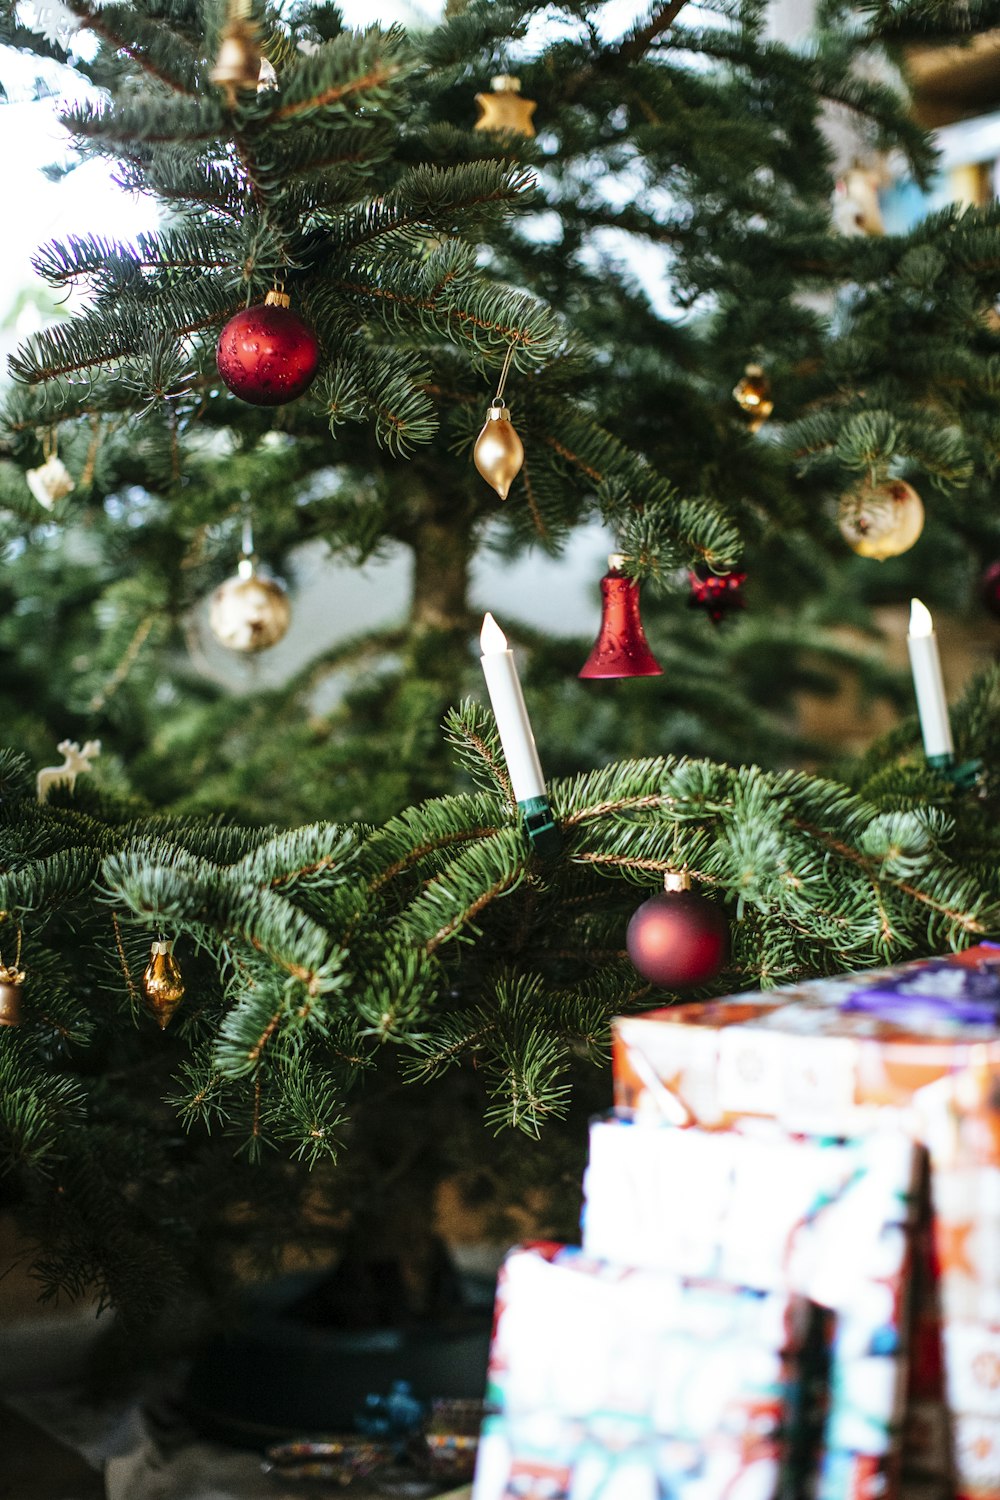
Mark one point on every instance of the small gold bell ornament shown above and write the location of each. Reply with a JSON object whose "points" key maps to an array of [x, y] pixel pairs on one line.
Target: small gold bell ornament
{"points": [[505, 109], [162, 983], [11, 980], [499, 452], [881, 520], [238, 63]]}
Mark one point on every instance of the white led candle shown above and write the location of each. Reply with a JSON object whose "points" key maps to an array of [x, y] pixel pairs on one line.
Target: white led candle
{"points": [[509, 710], [516, 736], [928, 686]]}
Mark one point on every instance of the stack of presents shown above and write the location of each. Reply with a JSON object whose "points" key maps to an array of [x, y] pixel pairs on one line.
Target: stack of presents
{"points": [[789, 1282]]}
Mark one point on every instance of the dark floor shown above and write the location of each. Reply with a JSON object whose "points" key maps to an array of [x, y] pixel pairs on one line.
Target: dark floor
{"points": [[34, 1466]]}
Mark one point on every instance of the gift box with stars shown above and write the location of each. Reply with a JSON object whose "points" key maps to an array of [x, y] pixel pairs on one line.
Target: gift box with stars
{"points": [[628, 1384], [913, 1049], [829, 1220]]}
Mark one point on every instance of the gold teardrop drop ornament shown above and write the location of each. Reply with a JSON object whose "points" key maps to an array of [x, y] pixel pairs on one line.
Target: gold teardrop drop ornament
{"points": [[162, 983], [499, 452]]}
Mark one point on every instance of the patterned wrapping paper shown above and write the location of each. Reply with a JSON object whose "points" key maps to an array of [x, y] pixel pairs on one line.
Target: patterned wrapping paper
{"points": [[828, 1220], [916, 1048], [613, 1383]]}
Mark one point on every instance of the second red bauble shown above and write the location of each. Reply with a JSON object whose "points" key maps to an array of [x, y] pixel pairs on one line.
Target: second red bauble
{"points": [[266, 354], [677, 939]]}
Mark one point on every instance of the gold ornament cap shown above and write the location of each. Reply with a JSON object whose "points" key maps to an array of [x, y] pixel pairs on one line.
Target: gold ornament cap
{"points": [[616, 562], [676, 880], [499, 452], [162, 983], [505, 83], [275, 298], [11, 980]]}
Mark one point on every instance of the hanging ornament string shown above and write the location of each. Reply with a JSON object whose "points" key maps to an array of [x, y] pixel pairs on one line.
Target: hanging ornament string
{"points": [[499, 452], [504, 372]]}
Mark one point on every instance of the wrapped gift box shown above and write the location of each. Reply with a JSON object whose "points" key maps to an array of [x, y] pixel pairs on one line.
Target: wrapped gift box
{"points": [[831, 1221], [916, 1049], [631, 1384]]}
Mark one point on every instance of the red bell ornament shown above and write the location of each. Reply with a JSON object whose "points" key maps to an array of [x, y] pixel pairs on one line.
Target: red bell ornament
{"points": [[677, 939], [621, 648], [266, 354]]}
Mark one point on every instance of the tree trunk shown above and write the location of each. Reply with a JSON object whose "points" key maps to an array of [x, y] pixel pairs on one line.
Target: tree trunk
{"points": [[442, 550]]}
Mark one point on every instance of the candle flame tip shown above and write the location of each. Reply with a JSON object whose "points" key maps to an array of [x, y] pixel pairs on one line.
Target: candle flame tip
{"points": [[921, 623], [491, 637]]}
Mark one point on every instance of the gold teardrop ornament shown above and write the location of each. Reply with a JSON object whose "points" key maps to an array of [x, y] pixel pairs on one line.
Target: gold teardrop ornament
{"points": [[499, 452], [162, 983]]}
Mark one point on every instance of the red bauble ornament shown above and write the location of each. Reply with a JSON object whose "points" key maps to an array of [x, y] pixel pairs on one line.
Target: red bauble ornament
{"points": [[621, 648], [677, 939], [718, 594], [989, 589], [267, 355]]}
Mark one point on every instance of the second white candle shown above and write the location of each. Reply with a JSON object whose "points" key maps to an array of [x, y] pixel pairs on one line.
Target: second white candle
{"points": [[928, 683]]}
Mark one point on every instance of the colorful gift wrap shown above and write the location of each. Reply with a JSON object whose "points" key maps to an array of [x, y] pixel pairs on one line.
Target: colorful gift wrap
{"points": [[829, 1220], [616, 1383], [916, 1049]]}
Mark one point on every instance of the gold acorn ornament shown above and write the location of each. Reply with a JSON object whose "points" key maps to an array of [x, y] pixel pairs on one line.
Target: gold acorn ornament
{"points": [[499, 452], [881, 520], [238, 63], [504, 108], [11, 980], [752, 395], [162, 983]]}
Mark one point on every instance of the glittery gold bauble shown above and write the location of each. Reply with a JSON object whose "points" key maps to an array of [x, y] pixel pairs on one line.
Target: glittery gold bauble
{"points": [[11, 981], [753, 395], [881, 520], [249, 613], [162, 983], [504, 109], [238, 63], [499, 452]]}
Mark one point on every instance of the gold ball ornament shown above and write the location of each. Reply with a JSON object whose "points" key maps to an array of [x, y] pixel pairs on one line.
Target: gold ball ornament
{"points": [[249, 613], [499, 452], [11, 981], [505, 109], [881, 520], [752, 395], [162, 983]]}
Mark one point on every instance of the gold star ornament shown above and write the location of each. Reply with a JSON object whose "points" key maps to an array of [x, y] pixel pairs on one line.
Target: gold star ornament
{"points": [[505, 109]]}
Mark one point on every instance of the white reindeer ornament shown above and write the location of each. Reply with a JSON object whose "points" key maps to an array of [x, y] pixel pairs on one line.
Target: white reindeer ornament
{"points": [[75, 760]]}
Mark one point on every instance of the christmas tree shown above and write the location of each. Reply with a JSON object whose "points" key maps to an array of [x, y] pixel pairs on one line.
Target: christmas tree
{"points": [[400, 996]]}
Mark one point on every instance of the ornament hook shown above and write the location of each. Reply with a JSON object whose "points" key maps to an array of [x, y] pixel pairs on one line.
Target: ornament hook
{"points": [[505, 371]]}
